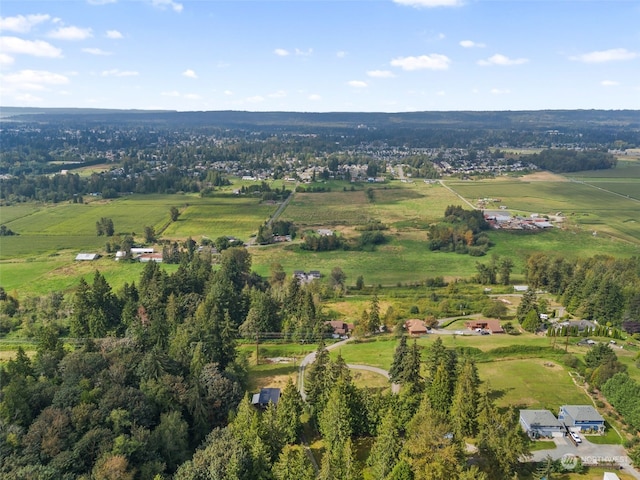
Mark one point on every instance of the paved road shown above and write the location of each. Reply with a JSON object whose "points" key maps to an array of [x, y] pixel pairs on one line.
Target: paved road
{"points": [[589, 453]]}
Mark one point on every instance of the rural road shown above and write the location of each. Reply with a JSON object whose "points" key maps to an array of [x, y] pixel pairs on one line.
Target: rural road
{"points": [[276, 214], [309, 359], [458, 195]]}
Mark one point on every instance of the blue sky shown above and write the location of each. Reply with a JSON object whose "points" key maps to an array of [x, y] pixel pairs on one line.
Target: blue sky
{"points": [[321, 56]]}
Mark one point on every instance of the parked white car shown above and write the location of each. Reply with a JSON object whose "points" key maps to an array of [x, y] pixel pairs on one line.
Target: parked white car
{"points": [[576, 437]]}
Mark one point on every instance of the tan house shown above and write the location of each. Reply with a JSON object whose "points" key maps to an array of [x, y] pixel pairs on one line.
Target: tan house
{"points": [[415, 327]]}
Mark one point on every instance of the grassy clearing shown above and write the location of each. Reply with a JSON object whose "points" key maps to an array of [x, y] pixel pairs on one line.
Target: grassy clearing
{"points": [[273, 375], [531, 383]]}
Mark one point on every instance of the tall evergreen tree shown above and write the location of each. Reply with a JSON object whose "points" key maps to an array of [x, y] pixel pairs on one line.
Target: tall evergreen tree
{"points": [[465, 400], [386, 449], [290, 407], [293, 464], [399, 355]]}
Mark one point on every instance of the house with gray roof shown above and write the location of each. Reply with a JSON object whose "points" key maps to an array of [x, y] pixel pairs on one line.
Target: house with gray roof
{"points": [[541, 423], [581, 418]]}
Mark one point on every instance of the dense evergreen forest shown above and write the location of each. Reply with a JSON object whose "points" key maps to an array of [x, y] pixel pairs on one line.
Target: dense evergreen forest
{"points": [[155, 387]]}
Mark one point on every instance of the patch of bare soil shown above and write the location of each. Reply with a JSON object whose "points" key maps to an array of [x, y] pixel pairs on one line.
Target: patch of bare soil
{"points": [[543, 177]]}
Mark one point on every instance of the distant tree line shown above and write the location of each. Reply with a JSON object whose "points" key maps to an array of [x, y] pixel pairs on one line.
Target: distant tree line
{"points": [[564, 161]]}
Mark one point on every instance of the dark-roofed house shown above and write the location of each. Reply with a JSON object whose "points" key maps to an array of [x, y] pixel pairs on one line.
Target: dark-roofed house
{"points": [[581, 417], [541, 423], [266, 396], [415, 327]]}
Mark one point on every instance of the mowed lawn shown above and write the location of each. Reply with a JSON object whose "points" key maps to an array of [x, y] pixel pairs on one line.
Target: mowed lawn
{"points": [[532, 383]]}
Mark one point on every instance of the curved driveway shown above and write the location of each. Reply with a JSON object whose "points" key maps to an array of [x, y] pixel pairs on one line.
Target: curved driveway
{"points": [[309, 359]]}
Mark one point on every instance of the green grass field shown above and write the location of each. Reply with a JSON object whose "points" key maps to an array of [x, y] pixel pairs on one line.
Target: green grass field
{"points": [[50, 236]]}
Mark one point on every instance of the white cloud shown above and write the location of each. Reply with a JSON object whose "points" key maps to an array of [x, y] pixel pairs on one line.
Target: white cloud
{"points": [[71, 33], [228, 92], [498, 91], [615, 54], [37, 48], [609, 83], [278, 94], [21, 23], [173, 93], [435, 61], [429, 3], [33, 80], [27, 98], [281, 52], [501, 60], [314, 97], [100, 2], [441, 93], [341, 54], [6, 59], [189, 73], [119, 73], [255, 99], [471, 44], [380, 74], [114, 34], [192, 96], [164, 4], [96, 51], [303, 53], [357, 84]]}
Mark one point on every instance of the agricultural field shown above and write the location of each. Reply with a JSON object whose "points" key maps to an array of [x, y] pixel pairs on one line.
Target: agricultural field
{"points": [[217, 216], [50, 236], [587, 207], [411, 205]]}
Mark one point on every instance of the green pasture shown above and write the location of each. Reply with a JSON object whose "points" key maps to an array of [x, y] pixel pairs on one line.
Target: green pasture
{"points": [[213, 217], [63, 274], [413, 205], [9, 213], [33, 246], [399, 261], [129, 214]]}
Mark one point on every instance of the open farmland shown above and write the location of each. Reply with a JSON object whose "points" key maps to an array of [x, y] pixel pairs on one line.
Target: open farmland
{"points": [[217, 216], [399, 205], [590, 208]]}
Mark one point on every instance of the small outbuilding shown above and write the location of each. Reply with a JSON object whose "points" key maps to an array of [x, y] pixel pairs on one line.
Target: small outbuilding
{"points": [[265, 397], [581, 418], [87, 257], [541, 423]]}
